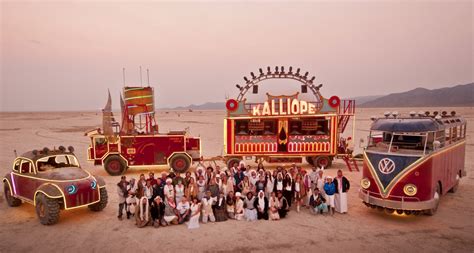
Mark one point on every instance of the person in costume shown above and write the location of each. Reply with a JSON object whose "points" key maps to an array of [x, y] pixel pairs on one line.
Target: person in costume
{"points": [[283, 206], [320, 181], [260, 184], [342, 185], [299, 192], [253, 177], [245, 186], [230, 205], [273, 205], [330, 190], [318, 203], [261, 205], [207, 212], [170, 215], [169, 189], [192, 189], [201, 183], [131, 200], [227, 185], [195, 214], [179, 191], [143, 216], [159, 189], [213, 187], [288, 188], [249, 204], [157, 211], [239, 206], [220, 208], [313, 177], [279, 182], [269, 184], [122, 196], [151, 178], [149, 191]]}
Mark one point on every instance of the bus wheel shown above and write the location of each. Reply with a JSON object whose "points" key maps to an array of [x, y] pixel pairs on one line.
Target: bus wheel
{"points": [[456, 185], [323, 161], [232, 161], [389, 210], [180, 163], [115, 165], [400, 212], [436, 197]]}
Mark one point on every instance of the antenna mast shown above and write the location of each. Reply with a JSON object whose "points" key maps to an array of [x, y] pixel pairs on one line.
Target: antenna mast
{"points": [[148, 76], [141, 82]]}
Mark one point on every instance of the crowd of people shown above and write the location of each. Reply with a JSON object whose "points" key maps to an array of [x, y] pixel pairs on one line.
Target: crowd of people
{"points": [[240, 193]]}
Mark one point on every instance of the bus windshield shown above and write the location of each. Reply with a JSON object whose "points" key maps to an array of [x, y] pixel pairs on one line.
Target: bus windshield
{"points": [[404, 143], [55, 162]]}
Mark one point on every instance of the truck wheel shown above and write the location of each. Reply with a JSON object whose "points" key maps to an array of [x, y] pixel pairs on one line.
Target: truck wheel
{"points": [[99, 206], [180, 163], [115, 165], [232, 161], [323, 161], [47, 209], [436, 197], [12, 201]]}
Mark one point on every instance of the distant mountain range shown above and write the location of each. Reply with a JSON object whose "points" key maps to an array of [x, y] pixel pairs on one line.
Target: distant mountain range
{"points": [[460, 95]]}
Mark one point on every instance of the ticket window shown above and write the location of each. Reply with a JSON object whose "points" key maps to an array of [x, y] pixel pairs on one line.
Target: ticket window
{"points": [[241, 127]]}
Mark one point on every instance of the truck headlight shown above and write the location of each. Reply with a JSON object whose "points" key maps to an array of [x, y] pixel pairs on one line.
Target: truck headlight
{"points": [[93, 185], [410, 190], [365, 183]]}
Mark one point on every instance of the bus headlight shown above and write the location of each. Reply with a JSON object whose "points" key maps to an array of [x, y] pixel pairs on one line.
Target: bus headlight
{"points": [[410, 190], [365, 183]]}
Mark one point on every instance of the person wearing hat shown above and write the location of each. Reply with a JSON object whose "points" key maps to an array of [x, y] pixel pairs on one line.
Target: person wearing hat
{"points": [[207, 212], [250, 210], [330, 190], [169, 189], [318, 203], [157, 211], [239, 206], [313, 177]]}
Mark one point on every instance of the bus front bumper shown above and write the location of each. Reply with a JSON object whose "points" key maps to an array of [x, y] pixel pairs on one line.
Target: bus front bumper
{"points": [[405, 203]]}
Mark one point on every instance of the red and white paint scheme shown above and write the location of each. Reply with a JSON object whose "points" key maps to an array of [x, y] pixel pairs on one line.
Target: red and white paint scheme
{"points": [[285, 128], [410, 162], [136, 143]]}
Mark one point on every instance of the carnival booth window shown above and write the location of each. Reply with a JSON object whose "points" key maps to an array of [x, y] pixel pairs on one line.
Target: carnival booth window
{"points": [[241, 127]]}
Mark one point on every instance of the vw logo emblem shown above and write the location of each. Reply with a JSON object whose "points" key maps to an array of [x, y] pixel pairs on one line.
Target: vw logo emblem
{"points": [[386, 166]]}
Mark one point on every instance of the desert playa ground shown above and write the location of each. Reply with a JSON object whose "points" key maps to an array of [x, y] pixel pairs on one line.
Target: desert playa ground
{"points": [[361, 230]]}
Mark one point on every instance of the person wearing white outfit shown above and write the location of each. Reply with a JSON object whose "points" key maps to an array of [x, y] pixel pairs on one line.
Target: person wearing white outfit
{"points": [[250, 211], [207, 202], [195, 214], [342, 185]]}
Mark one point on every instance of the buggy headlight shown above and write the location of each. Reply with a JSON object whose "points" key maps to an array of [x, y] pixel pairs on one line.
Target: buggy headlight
{"points": [[410, 190], [365, 183], [71, 189], [93, 185]]}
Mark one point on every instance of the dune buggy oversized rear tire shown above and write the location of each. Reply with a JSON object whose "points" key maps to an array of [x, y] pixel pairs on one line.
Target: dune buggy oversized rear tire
{"points": [[99, 206], [115, 165], [47, 209], [180, 163], [11, 201]]}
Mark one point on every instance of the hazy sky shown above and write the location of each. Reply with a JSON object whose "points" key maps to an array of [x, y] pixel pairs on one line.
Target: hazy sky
{"points": [[64, 56]]}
